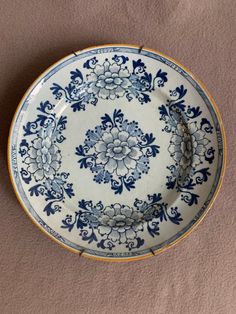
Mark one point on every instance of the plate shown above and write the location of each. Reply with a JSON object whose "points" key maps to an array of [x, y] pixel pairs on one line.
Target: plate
{"points": [[116, 152]]}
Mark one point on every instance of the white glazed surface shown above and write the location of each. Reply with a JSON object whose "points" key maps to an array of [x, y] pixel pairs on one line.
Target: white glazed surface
{"points": [[111, 222]]}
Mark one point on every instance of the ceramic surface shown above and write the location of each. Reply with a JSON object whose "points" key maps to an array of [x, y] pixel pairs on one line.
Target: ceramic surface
{"points": [[116, 152]]}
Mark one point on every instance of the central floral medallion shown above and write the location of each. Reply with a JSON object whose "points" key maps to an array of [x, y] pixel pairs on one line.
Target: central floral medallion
{"points": [[117, 152]]}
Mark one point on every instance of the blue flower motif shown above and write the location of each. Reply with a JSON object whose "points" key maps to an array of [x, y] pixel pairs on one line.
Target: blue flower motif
{"points": [[108, 80], [43, 157], [117, 152], [112, 78], [117, 224], [120, 223], [188, 146]]}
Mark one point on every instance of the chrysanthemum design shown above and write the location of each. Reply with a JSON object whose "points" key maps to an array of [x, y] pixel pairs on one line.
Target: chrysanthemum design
{"points": [[41, 158], [86, 146], [188, 146], [44, 156], [120, 223], [117, 152], [108, 80]]}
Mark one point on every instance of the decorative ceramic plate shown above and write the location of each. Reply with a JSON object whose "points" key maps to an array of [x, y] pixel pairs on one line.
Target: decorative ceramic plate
{"points": [[116, 152]]}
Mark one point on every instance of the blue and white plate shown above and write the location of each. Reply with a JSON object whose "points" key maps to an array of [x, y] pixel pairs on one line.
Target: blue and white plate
{"points": [[116, 152]]}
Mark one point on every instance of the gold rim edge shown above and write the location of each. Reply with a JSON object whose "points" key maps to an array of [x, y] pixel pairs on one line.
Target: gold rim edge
{"points": [[164, 248]]}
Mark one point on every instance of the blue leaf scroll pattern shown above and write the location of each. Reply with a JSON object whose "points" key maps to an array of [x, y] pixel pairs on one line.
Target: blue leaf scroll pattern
{"points": [[117, 152], [41, 158], [110, 79], [119, 224], [189, 146]]}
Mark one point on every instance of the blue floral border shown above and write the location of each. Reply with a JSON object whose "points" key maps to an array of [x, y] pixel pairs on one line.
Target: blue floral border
{"points": [[70, 59]]}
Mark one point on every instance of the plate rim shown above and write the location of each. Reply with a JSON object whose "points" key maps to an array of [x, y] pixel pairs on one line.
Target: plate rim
{"points": [[165, 247]]}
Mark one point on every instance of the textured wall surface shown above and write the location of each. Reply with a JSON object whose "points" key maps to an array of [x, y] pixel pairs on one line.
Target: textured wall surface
{"points": [[196, 276]]}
